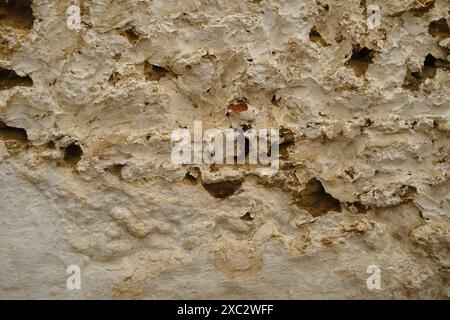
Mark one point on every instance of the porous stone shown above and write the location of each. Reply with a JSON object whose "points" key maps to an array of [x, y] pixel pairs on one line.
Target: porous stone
{"points": [[86, 116]]}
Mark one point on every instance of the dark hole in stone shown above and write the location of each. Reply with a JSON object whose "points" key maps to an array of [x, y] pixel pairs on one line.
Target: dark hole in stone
{"points": [[247, 217], [360, 60], [413, 80], [223, 189], [10, 79], [430, 61], [316, 200], [439, 29], [275, 101], [155, 73], [73, 153], [368, 122], [408, 193], [11, 133], [429, 68], [132, 35], [16, 14], [435, 63], [190, 179], [315, 36]]}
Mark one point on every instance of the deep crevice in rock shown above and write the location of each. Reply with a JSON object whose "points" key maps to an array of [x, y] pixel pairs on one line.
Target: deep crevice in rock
{"points": [[11, 133], [17, 14], [247, 217], [360, 60], [407, 193], [73, 153], [223, 189], [413, 80], [154, 72], [132, 35], [10, 79], [439, 29], [315, 36], [190, 179], [316, 200]]}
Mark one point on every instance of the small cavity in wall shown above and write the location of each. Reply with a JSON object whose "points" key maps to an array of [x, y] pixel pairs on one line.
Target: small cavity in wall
{"points": [[316, 200], [155, 73], [413, 80], [316, 37], [360, 60], [223, 189], [132, 35], [439, 29], [17, 14], [11, 133], [15, 139], [73, 153], [10, 79]]}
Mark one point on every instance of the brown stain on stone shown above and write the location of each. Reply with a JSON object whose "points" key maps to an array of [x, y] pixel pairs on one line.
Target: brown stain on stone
{"points": [[238, 107]]}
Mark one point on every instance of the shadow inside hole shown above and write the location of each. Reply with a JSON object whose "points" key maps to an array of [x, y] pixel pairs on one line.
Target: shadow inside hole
{"points": [[73, 153], [17, 14], [10, 79]]}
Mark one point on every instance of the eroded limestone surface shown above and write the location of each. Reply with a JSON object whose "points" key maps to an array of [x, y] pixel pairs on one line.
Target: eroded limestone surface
{"points": [[86, 118]]}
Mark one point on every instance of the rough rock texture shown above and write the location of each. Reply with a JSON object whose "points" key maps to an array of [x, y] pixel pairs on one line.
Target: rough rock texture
{"points": [[85, 125]]}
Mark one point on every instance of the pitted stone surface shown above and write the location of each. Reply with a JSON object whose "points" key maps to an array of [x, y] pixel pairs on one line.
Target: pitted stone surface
{"points": [[86, 117]]}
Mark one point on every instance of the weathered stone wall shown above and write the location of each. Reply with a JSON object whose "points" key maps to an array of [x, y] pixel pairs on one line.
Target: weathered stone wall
{"points": [[86, 116]]}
